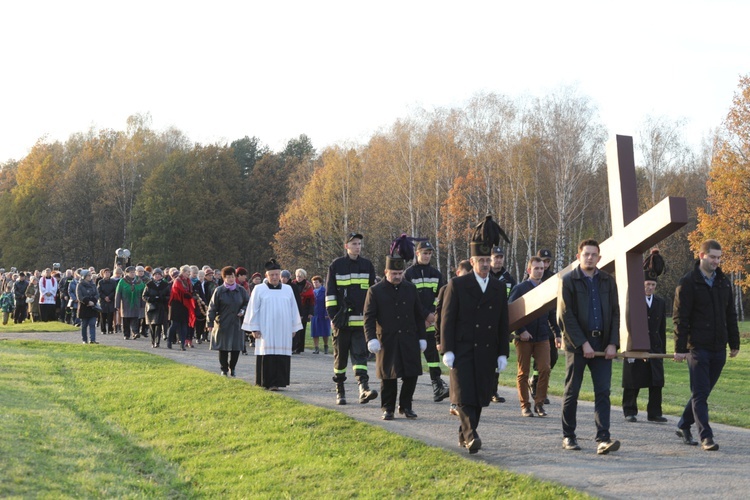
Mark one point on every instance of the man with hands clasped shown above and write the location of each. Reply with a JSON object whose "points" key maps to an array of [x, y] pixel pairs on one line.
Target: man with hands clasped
{"points": [[474, 334], [395, 333]]}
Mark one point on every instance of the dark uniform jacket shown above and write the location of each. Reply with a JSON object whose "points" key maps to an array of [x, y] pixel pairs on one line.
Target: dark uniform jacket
{"points": [[649, 373], [474, 326], [393, 315], [704, 318], [573, 310], [509, 282], [354, 277], [428, 281]]}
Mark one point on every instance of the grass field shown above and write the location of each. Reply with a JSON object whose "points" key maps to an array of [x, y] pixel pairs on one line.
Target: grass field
{"points": [[99, 421]]}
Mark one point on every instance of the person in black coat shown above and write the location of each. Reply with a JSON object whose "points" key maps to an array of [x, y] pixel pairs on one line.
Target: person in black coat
{"points": [[156, 296], [106, 288], [474, 339], [638, 374], [705, 321], [395, 333]]}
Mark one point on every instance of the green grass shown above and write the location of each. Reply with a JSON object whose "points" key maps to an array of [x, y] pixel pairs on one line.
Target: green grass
{"points": [[729, 402], [98, 421], [28, 326]]}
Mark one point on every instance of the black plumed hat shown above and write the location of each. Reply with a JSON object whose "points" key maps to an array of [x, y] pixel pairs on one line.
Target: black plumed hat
{"points": [[272, 265], [486, 236]]}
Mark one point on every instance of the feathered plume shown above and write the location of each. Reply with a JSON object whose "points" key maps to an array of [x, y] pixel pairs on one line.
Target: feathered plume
{"points": [[403, 247], [489, 231]]}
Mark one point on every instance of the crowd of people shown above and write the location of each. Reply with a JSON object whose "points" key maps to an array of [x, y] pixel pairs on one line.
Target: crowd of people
{"points": [[410, 312]]}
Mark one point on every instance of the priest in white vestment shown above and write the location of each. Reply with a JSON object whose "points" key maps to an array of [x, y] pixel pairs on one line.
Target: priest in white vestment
{"points": [[272, 318]]}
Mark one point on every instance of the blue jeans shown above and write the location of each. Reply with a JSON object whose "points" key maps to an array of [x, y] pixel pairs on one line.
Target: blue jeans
{"points": [[705, 368], [176, 329], [601, 375], [89, 323]]}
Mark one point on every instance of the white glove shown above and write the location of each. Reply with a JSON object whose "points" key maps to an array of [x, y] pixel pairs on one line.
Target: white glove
{"points": [[373, 346], [422, 345], [448, 359], [502, 363]]}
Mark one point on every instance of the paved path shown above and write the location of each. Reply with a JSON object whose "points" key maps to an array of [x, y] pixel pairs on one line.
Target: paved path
{"points": [[652, 462]]}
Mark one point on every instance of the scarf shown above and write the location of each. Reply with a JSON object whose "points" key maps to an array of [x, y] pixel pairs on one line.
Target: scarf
{"points": [[232, 287]]}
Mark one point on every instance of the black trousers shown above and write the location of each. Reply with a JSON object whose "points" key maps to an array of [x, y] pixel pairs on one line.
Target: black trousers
{"points": [[630, 403], [388, 389], [346, 342], [432, 357], [106, 322], [157, 330], [22, 311], [298, 342], [228, 362], [130, 325], [468, 415]]}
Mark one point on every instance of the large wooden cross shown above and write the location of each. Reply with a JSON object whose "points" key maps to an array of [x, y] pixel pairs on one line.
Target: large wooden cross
{"points": [[621, 254]]}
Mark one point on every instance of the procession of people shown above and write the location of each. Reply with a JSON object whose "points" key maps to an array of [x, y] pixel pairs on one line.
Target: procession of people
{"points": [[461, 324]]}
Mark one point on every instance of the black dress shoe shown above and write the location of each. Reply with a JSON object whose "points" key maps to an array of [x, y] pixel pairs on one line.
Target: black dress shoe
{"points": [[709, 445], [657, 419], [407, 412], [570, 444], [496, 398], [631, 418], [687, 437], [474, 445], [387, 415]]}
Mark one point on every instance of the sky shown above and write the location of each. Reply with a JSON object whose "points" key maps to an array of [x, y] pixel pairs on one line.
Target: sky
{"points": [[338, 71]]}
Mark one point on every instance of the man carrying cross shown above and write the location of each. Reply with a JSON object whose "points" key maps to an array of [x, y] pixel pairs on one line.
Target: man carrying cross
{"points": [[589, 314]]}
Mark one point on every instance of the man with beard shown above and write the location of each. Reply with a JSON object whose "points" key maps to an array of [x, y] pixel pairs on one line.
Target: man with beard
{"points": [[705, 321], [395, 333], [474, 334], [589, 314]]}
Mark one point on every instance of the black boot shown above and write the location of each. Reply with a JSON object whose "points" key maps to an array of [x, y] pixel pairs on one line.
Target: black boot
{"points": [[365, 394], [439, 390], [340, 394]]}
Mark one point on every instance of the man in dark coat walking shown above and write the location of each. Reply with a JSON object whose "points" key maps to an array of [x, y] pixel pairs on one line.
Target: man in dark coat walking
{"points": [[474, 336], [641, 373], [396, 334]]}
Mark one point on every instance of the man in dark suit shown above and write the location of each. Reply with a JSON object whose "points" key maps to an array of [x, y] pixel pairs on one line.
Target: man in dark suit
{"points": [[641, 373], [474, 337], [396, 334]]}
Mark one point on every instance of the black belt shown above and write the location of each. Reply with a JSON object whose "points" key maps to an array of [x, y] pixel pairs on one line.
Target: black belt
{"points": [[596, 333]]}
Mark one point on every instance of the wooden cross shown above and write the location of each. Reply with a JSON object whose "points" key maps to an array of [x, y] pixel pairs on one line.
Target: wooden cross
{"points": [[621, 254]]}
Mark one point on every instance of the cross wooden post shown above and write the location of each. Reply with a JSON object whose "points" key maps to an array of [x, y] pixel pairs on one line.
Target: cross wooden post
{"points": [[621, 254]]}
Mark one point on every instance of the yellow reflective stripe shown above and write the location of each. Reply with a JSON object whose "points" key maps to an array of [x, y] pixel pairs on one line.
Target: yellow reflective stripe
{"points": [[433, 365], [356, 323], [430, 328], [339, 371], [332, 303], [359, 367]]}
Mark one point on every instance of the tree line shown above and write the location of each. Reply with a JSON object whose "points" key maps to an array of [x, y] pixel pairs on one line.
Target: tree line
{"points": [[536, 164]]}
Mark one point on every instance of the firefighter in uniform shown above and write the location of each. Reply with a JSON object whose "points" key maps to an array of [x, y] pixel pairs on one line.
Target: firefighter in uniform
{"points": [[349, 278], [428, 281], [499, 272]]}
